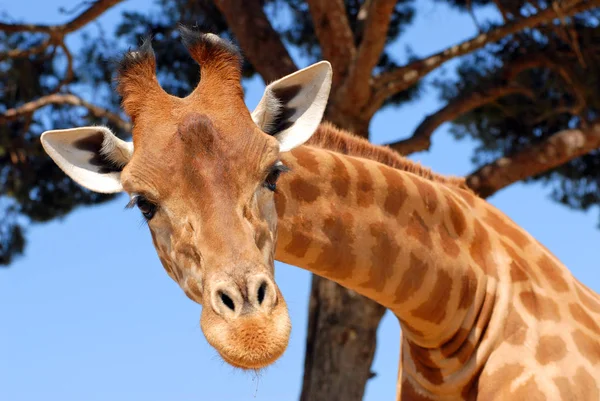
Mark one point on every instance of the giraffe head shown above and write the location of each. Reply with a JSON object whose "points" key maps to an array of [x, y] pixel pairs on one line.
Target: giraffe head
{"points": [[203, 170]]}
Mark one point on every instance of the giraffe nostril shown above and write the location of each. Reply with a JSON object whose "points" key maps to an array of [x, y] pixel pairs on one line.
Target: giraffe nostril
{"points": [[261, 292], [227, 301]]}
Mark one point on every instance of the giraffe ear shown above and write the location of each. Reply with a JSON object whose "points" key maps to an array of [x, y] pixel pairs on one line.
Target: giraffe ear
{"points": [[292, 107], [92, 156]]}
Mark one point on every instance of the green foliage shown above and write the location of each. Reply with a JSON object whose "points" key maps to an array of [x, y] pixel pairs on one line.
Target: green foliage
{"points": [[565, 88]]}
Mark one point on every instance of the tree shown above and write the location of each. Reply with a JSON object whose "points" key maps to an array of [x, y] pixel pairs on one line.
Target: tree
{"points": [[524, 90]]}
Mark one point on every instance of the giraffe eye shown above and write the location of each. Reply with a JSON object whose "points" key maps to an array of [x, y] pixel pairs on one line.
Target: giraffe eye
{"points": [[147, 208], [274, 173]]}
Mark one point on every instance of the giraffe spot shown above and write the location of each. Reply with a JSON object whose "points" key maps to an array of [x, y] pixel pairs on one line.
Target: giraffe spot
{"points": [[262, 236], [467, 196], [336, 259], [539, 306], [280, 203], [588, 301], [364, 184], [410, 393], [502, 226], [520, 269], [481, 249], [469, 391], [300, 242], [194, 290], [426, 192], [425, 365], [458, 346], [467, 289], [417, 228], [408, 328], [383, 256], [585, 383], [340, 178], [457, 217], [307, 160], [528, 391], [553, 274], [396, 190], [491, 384], [515, 329], [412, 279], [587, 346], [448, 242], [304, 191], [434, 308], [167, 267], [581, 316], [567, 392], [550, 349]]}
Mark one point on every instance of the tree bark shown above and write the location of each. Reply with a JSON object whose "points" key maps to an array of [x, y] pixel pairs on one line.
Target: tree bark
{"points": [[558, 149]]}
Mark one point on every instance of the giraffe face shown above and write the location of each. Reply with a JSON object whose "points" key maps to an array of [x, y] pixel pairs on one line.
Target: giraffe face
{"points": [[203, 170]]}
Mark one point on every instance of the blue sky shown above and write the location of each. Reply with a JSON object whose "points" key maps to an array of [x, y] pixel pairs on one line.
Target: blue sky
{"points": [[89, 314]]}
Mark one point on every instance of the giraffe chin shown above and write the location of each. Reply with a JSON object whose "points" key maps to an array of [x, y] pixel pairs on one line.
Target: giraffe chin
{"points": [[249, 342]]}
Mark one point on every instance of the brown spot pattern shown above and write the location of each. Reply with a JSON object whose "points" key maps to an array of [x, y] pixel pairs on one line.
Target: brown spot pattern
{"points": [[383, 256], [364, 184], [412, 279], [550, 349], [587, 346], [336, 258], [553, 274], [586, 384], [459, 346], [580, 315], [417, 228], [520, 269], [434, 307], [588, 301], [515, 329], [304, 191], [300, 242], [280, 203], [427, 193], [481, 249], [459, 222], [529, 391], [425, 365], [410, 393], [502, 227], [396, 190], [340, 178], [307, 160], [467, 289], [448, 243], [539, 306], [490, 385]]}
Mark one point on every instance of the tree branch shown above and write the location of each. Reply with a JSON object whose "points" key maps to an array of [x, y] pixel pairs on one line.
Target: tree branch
{"points": [[400, 79], [87, 16], [421, 138], [260, 43], [335, 36], [61, 99], [376, 26], [560, 148]]}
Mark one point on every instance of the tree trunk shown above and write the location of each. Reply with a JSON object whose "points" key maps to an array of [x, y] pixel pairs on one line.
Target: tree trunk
{"points": [[340, 345]]}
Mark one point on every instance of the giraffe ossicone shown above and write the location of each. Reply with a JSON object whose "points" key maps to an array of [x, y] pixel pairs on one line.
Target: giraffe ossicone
{"points": [[486, 311]]}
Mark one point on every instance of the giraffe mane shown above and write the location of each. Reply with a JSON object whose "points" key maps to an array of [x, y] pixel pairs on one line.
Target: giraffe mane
{"points": [[332, 138]]}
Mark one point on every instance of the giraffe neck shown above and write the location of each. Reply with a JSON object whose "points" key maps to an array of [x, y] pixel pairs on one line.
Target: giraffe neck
{"points": [[391, 235]]}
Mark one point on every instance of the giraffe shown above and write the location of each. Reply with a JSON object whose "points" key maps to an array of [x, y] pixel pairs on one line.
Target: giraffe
{"points": [[486, 311]]}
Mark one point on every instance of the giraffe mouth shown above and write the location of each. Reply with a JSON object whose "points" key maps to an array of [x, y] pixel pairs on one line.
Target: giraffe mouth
{"points": [[249, 342]]}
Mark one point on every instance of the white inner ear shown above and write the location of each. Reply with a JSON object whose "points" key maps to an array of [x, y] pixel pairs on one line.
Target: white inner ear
{"points": [[302, 113], [92, 156]]}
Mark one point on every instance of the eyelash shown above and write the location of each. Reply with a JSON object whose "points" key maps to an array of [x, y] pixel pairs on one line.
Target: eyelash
{"points": [[276, 170], [139, 200]]}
